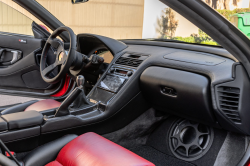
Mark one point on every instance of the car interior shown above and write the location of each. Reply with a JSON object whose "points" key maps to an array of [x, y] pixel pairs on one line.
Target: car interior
{"points": [[124, 102]]}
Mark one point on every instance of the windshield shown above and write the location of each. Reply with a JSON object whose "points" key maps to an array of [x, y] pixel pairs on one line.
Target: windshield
{"points": [[142, 19]]}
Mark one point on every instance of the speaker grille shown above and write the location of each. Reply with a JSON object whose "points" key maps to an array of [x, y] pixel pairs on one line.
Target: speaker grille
{"points": [[229, 102], [189, 140]]}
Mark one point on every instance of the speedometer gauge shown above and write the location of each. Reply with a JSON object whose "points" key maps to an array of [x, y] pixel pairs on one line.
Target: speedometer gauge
{"points": [[105, 53], [101, 51]]}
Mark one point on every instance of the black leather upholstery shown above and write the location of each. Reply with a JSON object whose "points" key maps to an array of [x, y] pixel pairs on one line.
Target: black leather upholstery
{"points": [[23, 119], [3, 125], [48, 152], [18, 108], [4, 161]]}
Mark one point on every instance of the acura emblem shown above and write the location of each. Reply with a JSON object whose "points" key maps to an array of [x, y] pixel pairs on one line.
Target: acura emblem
{"points": [[60, 56]]}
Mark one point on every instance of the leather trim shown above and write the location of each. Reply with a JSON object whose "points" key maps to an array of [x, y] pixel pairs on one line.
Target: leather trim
{"points": [[23, 119], [43, 105], [92, 149], [18, 108], [4, 161], [3, 125], [54, 163], [15, 135], [48, 152]]}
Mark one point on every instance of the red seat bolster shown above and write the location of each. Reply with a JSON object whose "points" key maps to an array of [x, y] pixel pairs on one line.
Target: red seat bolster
{"points": [[54, 163], [43, 105], [91, 149]]}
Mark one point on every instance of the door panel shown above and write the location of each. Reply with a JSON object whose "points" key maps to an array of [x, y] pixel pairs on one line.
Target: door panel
{"points": [[26, 69], [23, 78], [24, 75], [20, 56], [11, 41]]}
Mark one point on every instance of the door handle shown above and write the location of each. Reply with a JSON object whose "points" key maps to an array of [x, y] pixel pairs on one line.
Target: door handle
{"points": [[1, 53], [16, 56]]}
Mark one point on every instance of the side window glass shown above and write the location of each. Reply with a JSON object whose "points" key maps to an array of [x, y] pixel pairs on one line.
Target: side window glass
{"points": [[15, 19]]}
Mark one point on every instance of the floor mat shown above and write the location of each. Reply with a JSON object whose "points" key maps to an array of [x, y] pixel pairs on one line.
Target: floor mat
{"points": [[158, 158]]}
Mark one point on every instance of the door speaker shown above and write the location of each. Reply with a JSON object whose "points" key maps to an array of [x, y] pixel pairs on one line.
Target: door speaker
{"points": [[189, 140]]}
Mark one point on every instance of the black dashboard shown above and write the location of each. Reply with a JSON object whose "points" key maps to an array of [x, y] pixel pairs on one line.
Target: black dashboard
{"points": [[200, 83]]}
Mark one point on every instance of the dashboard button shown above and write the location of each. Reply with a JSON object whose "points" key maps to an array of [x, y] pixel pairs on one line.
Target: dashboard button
{"points": [[129, 73], [112, 70]]}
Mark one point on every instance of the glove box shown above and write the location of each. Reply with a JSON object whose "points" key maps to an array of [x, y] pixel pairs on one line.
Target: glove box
{"points": [[177, 92]]}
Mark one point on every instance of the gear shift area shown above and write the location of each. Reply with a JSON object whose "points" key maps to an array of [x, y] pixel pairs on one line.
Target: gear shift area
{"points": [[80, 80], [75, 101]]}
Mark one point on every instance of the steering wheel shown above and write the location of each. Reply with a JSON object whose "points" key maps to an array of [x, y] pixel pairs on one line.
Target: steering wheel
{"points": [[64, 58]]}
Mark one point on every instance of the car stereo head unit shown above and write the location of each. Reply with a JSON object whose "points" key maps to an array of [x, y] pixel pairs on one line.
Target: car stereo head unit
{"points": [[112, 83]]}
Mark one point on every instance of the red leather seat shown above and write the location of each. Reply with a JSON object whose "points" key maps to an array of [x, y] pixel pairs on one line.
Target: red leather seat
{"points": [[43, 105], [91, 149]]}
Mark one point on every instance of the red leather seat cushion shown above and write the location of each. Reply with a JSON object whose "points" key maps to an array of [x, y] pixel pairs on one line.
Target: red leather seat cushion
{"points": [[91, 149], [54, 163], [43, 105]]}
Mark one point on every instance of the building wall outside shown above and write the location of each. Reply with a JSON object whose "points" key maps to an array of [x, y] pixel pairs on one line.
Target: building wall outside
{"points": [[12, 20], [117, 19]]}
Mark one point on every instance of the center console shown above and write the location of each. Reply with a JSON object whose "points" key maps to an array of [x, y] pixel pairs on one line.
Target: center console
{"points": [[20, 126], [110, 95], [109, 86]]}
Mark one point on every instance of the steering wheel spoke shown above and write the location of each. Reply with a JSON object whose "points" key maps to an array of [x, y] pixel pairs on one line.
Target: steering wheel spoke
{"points": [[59, 49], [53, 42], [50, 68]]}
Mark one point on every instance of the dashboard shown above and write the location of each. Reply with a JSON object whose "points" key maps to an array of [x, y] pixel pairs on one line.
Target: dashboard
{"points": [[199, 83]]}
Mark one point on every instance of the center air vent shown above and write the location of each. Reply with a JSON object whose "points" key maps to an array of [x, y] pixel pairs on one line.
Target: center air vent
{"points": [[229, 102], [130, 59]]}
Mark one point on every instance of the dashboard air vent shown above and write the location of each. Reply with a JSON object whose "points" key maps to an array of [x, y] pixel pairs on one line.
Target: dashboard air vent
{"points": [[229, 102], [130, 59], [128, 62]]}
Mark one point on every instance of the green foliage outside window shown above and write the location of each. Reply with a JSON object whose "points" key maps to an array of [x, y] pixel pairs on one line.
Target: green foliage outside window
{"points": [[201, 37], [228, 13]]}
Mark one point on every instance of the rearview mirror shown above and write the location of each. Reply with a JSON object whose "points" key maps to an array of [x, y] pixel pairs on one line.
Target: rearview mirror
{"points": [[78, 1]]}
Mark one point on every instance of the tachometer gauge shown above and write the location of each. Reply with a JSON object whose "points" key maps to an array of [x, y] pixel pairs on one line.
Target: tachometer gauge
{"points": [[105, 53], [101, 51]]}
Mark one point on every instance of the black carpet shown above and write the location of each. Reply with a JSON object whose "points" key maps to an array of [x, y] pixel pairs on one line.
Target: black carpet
{"points": [[158, 158]]}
